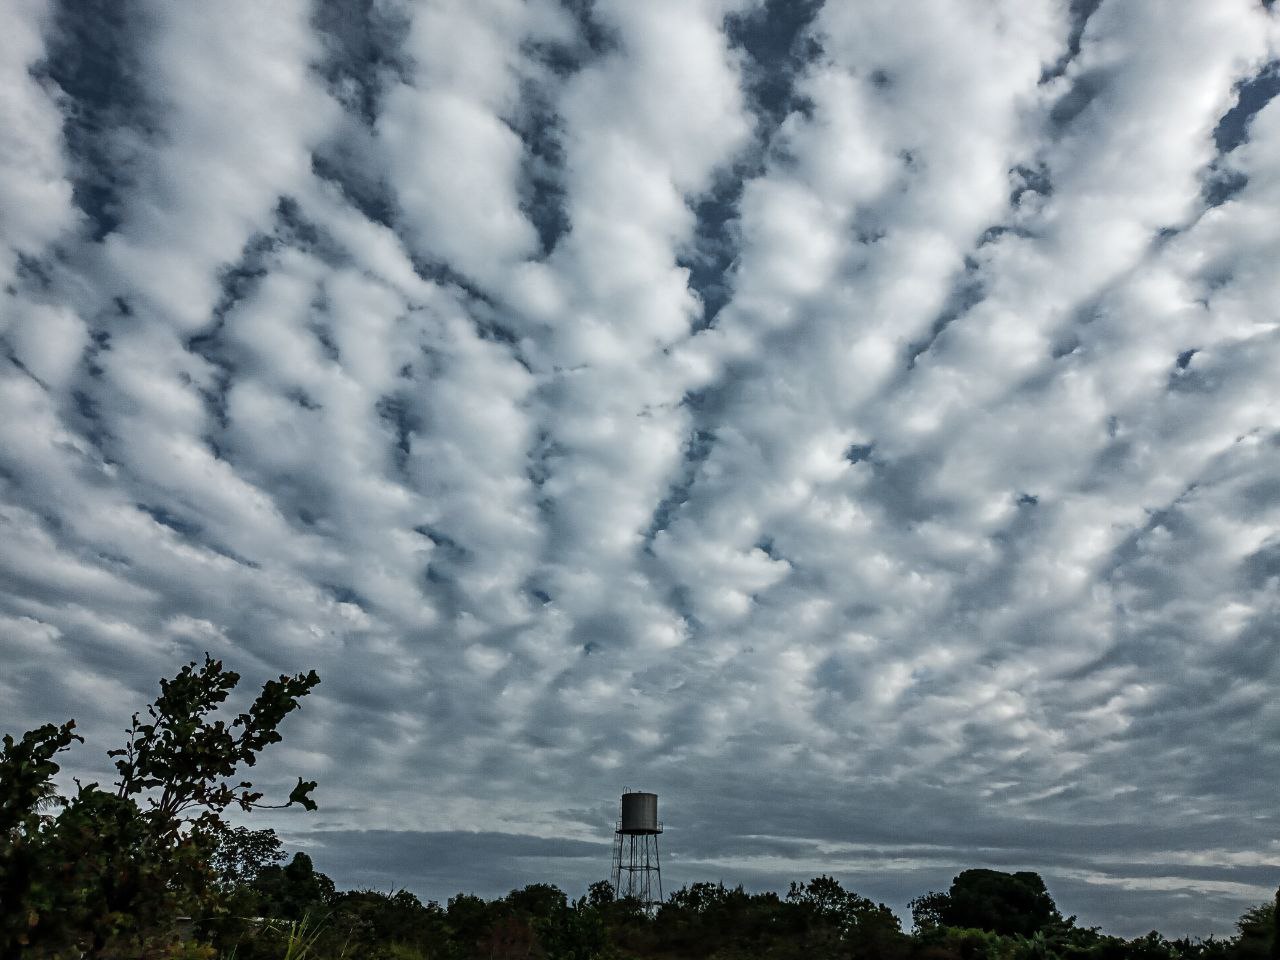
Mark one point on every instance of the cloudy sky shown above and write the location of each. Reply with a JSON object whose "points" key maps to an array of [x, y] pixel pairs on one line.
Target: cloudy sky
{"points": [[856, 422]]}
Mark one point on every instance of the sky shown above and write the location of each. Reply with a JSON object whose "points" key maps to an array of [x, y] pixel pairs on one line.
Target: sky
{"points": [[857, 423]]}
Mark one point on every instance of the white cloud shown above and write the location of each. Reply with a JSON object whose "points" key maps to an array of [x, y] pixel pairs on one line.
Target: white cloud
{"points": [[35, 194]]}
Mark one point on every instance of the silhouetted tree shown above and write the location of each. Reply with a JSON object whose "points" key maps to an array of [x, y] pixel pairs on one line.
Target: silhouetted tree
{"points": [[113, 869], [1256, 926], [241, 854], [293, 891], [600, 894], [1011, 904], [926, 910]]}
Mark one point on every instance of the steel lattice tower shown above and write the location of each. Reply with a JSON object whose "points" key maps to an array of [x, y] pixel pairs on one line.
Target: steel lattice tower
{"points": [[637, 867]]}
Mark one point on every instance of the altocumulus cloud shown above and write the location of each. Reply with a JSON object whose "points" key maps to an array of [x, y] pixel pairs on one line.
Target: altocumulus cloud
{"points": [[856, 422]]}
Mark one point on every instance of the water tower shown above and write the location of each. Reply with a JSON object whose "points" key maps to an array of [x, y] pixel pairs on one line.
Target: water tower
{"points": [[637, 871]]}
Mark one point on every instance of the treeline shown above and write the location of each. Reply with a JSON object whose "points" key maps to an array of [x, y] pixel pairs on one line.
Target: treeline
{"points": [[149, 869], [985, 915]]}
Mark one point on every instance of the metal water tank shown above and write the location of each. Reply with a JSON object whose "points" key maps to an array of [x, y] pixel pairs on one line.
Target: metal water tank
{"points": [[640, 813]]}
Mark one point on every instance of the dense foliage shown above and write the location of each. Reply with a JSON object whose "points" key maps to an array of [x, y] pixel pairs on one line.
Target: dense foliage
{"points": [[818, 920], [110, 874], [106, 873]]}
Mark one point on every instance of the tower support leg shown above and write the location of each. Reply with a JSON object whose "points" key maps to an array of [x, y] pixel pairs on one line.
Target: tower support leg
{"points": [[637, 868]]}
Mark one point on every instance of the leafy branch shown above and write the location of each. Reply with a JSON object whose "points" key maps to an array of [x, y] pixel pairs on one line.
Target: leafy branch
{"points": [[183, 761]]}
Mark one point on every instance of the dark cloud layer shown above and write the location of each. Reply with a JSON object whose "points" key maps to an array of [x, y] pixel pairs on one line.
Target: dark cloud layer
{"points": [[860, 428]]}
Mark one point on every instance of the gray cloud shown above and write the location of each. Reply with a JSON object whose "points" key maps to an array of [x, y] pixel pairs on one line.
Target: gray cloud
{"points": [[859, 429]]}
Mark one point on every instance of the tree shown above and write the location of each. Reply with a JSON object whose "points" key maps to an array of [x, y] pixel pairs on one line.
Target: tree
{"points": [[538, 900], [468, 920], [181, 762], [116, 867], [541, 922], [294, 890], [242, 854], [600, 894], [27, 767], [865, 927], [927, 909], [1257, 927], [1011, 904]]}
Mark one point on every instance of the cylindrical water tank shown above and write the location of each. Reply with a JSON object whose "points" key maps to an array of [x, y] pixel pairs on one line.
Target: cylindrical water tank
{"points": [[639, 813]]}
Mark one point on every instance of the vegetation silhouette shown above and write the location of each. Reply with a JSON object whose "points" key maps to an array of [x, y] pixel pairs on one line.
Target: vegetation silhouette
{"points": [[113, 873], [110, 872]]}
